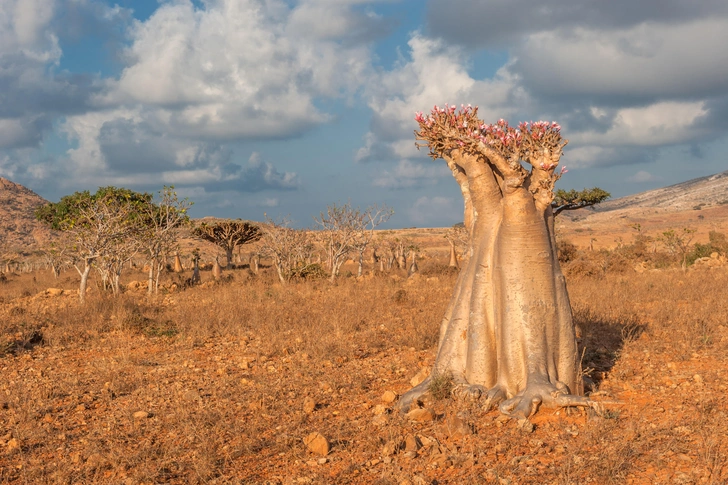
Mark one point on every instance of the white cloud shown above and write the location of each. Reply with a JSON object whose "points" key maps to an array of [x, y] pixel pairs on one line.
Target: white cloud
{"points": [[408, 174], [435, 74], [644, 61], [243, 69], [642, 176]]}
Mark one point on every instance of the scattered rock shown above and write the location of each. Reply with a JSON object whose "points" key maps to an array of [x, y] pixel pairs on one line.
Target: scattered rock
{"points": [[391, 448], [457, 428], [420, 376], [317, 443], [380, 409], [141, 415], [309, 405], [525, 425], [411, 443], [421, 415], [389, 396], [12, 445]]}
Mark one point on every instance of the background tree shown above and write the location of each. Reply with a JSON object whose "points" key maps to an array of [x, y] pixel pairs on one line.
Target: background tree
{"points": [[508, 332], [457, 237], [368, 220], [566, 200], [678, 243], [228, 234], [95, 224], [162, 222], [291, 249], [345, 229]]}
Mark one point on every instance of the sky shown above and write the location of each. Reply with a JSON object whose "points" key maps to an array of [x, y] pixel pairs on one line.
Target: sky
{"points": [[282, 107]]}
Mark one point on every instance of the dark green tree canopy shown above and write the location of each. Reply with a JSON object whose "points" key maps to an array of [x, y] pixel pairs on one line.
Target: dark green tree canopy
{"points": [[576, 199], [72, 209]]}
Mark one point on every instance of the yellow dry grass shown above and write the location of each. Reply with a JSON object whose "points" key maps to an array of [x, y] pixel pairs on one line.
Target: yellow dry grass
{"points": [[210, 384]]}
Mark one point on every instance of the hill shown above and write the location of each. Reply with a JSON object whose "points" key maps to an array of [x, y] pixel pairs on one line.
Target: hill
{"points": [[700, 204], [19, 231]]}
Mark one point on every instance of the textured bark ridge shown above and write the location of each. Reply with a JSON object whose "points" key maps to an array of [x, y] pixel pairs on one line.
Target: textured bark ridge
{"points": [[508, 334]]}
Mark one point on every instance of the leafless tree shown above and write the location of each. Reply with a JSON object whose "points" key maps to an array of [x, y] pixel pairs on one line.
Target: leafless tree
{"points": [[346, 229], [291, 249]]}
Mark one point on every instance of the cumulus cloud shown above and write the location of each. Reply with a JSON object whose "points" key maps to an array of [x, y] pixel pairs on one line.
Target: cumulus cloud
{"points": [[434, 74], [499, 23], [244, 69], [622, 78]]}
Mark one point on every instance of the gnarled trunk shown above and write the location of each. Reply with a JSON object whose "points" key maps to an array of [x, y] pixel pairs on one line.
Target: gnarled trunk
{"points": [[508, 331]]}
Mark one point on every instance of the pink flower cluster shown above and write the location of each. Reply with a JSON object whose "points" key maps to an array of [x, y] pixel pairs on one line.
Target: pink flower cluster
{"points": [[500, 133]]}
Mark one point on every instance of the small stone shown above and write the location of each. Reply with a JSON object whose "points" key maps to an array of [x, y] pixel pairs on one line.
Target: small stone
{"points": [[317, 443], [322, 461], [698, 379], [391, 448], [420, 377], [12, 445], [141, 415], [389, 396], [525, 425], [309, 405], [380, 409], [421, 415], [457, 428], [411, 443]]}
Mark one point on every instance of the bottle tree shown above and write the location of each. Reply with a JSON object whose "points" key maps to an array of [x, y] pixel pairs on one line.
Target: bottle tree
{"points": [[508, 333]]}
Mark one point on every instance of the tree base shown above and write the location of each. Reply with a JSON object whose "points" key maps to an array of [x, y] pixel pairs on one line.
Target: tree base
{"points": [[539, 392]]}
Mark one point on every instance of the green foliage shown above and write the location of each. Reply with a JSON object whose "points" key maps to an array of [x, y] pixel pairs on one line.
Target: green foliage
{"points": [[73, 210], [576, 199]]}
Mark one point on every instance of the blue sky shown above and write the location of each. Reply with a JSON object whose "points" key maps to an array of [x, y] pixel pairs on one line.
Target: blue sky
{"points": [[283, 107]]}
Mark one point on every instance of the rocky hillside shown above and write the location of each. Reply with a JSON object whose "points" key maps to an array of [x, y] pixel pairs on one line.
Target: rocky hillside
{"points": [[700, 204], [19, 231], [693, 194]]}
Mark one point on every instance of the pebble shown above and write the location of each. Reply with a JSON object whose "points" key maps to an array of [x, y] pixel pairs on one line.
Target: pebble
{"points": [[457, 428], [421, 415], [141, 415], [317, 443], [389, 396], [309, 405], [411, 443], [420, 377], [12, 445]]}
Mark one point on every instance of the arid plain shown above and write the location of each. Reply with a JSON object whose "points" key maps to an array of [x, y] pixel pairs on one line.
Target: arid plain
{"points": [[246, 381]]}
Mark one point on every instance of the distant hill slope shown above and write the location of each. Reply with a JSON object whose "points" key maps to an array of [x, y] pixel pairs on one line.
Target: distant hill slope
{"points": [[700, 204], [19, 231], [708, 191]]}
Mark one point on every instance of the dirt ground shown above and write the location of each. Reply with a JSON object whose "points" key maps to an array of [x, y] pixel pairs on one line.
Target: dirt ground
{"points": [[248, 381]]}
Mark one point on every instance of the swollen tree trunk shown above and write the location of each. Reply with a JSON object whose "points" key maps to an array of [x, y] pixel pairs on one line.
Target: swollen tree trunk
{"points": [[453, 256], [229, 256], [508, 332]]}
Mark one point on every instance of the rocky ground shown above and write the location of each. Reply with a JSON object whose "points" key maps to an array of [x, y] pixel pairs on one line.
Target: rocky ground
{"points": [[129, 392]]}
